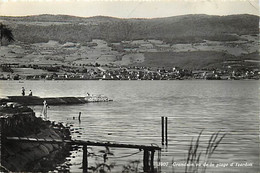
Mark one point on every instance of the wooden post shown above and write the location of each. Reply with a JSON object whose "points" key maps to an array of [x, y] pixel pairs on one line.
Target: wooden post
{"points": [[159, 161], [1, 139], [85, 158], [151, 163], [166, 130], [146, 161], [162, 130]]}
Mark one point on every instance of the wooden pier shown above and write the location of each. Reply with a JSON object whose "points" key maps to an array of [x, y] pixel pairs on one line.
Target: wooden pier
{"points": [[148, 151]]}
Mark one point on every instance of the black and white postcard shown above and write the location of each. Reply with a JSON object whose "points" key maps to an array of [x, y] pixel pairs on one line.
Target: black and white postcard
{"points": [[160, 86]]}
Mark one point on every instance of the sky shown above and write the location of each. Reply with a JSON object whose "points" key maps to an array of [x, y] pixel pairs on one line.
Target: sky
{"points": [[128, 8]]}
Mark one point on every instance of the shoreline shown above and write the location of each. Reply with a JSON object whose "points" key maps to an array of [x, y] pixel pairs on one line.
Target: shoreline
{"points": [[19, 157], [21, 80]]}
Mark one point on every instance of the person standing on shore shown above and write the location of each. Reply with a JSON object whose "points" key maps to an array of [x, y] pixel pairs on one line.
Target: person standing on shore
{"points": [[30, 93], [44, 110], [23, 91]]}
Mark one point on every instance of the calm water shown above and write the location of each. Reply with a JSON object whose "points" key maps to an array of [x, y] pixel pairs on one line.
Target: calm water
{"points": [[231, 107]]}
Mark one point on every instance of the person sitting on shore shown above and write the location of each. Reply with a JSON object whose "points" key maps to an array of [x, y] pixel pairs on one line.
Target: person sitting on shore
{"points": [[30, 93], [23, 91]]}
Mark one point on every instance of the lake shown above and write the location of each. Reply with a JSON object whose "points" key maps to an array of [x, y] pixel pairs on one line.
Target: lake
{"points": [[134, 117]]}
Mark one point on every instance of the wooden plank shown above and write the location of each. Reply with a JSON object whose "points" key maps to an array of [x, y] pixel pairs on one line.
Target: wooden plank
{"points": [[80, 142], [89, 143]]}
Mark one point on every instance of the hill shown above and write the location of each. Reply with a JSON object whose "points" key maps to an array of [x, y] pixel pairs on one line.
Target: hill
{"points": [[188, 41], [179, 29]]}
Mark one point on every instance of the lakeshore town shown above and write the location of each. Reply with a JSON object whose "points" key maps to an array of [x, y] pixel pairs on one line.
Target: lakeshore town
{"points": [[96, 71]]}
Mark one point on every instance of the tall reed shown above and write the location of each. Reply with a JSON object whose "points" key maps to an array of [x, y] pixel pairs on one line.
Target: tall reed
{"points": [[195, 155]]}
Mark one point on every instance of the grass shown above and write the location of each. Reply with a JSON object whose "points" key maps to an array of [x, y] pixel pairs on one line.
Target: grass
{"points": [[102, 167], [196, 156], [132, 166]]}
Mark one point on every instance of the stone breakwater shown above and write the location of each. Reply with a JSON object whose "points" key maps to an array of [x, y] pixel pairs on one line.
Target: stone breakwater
{"points": [[30, 157], [34, 100]]}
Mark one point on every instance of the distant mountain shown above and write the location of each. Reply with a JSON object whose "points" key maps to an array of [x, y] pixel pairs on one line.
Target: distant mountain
{"points": [[188, 41], [178, 29]]}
